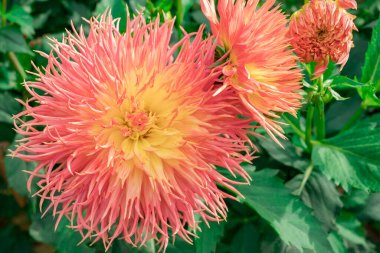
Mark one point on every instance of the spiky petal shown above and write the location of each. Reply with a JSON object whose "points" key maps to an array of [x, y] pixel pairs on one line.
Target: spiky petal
{"points": [[129, 137], [347, 4], [261, 69], [322, 31]]}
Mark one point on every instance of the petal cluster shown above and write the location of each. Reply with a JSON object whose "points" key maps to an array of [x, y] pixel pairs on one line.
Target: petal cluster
{"points": [[322, 31], [128, 134], [261, 68]]}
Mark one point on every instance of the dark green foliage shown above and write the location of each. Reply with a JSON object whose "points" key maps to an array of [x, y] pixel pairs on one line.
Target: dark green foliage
{"points": [[11, 40], [208, 238], [356, 153], [291, 219], [321, 195]]}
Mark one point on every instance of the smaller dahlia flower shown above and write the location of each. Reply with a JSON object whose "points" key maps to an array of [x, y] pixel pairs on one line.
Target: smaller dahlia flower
{"points": [[322, 31], [261, 69], [129, 136]]}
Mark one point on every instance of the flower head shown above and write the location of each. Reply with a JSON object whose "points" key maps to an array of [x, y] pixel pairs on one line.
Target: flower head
{"points": [[322, 31], [261, 69], [131, 135]]}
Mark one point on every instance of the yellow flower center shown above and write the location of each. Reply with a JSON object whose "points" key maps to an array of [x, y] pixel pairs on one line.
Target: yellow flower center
{"points": [[137, 124], [146, 130]]}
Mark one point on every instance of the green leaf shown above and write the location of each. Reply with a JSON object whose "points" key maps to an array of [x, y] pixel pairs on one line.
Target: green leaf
{"points": [[319, 194], [308, 85], [344, 81], [15, 170], [8, 107], [5, 117], [286, 213], [19, 16], [8, 77], [11, 40], [209, 237], [289, 155], [336, 242], [332, 70], [371, 68], [180, 246], [64, 239], [271, 243], [118, 10], [163, 5], [350, 228], [246, 239], [336, 95], [368, 94], [372, 207], [353, 157], [355, 199], [339, 113], [119, 246]]}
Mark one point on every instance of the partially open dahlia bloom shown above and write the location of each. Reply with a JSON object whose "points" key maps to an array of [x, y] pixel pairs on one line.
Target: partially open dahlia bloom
{"points": [[129, 136], [322, 31], [261, 68]]}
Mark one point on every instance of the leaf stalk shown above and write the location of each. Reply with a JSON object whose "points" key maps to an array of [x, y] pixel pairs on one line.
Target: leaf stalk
{"points": [[309, 125], [297, 130], [305, 178]]}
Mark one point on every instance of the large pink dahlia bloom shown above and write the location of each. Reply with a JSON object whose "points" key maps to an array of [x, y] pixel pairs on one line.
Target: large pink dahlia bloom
{"points": [[322, 31], [261, 68], [131, 134]]}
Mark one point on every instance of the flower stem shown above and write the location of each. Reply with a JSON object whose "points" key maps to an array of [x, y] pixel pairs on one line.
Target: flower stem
{"points": [[321, 128], [179, 14], [16, 64], [180, 10], [309, 125], [295, 128], [306, 176], [354, 118], [4, 10]]}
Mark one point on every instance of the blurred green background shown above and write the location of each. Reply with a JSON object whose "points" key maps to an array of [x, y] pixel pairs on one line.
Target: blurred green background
{"points": [[25, 25]]}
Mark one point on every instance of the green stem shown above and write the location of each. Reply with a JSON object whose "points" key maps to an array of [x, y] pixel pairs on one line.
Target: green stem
{"points": [[16, 64], [3, 18], [354, 118], [179, 12], [321, 132], [179, 19], [297, 130], [309, 125], [306, 176]]}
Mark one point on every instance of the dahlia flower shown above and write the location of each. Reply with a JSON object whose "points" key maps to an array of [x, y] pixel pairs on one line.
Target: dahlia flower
{"points": [[261, 69], [322, 31], [129, 136]]}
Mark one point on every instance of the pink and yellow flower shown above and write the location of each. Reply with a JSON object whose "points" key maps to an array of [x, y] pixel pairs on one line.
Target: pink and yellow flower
{"points": [[261, 68], [129, 136], [322, 31]]}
